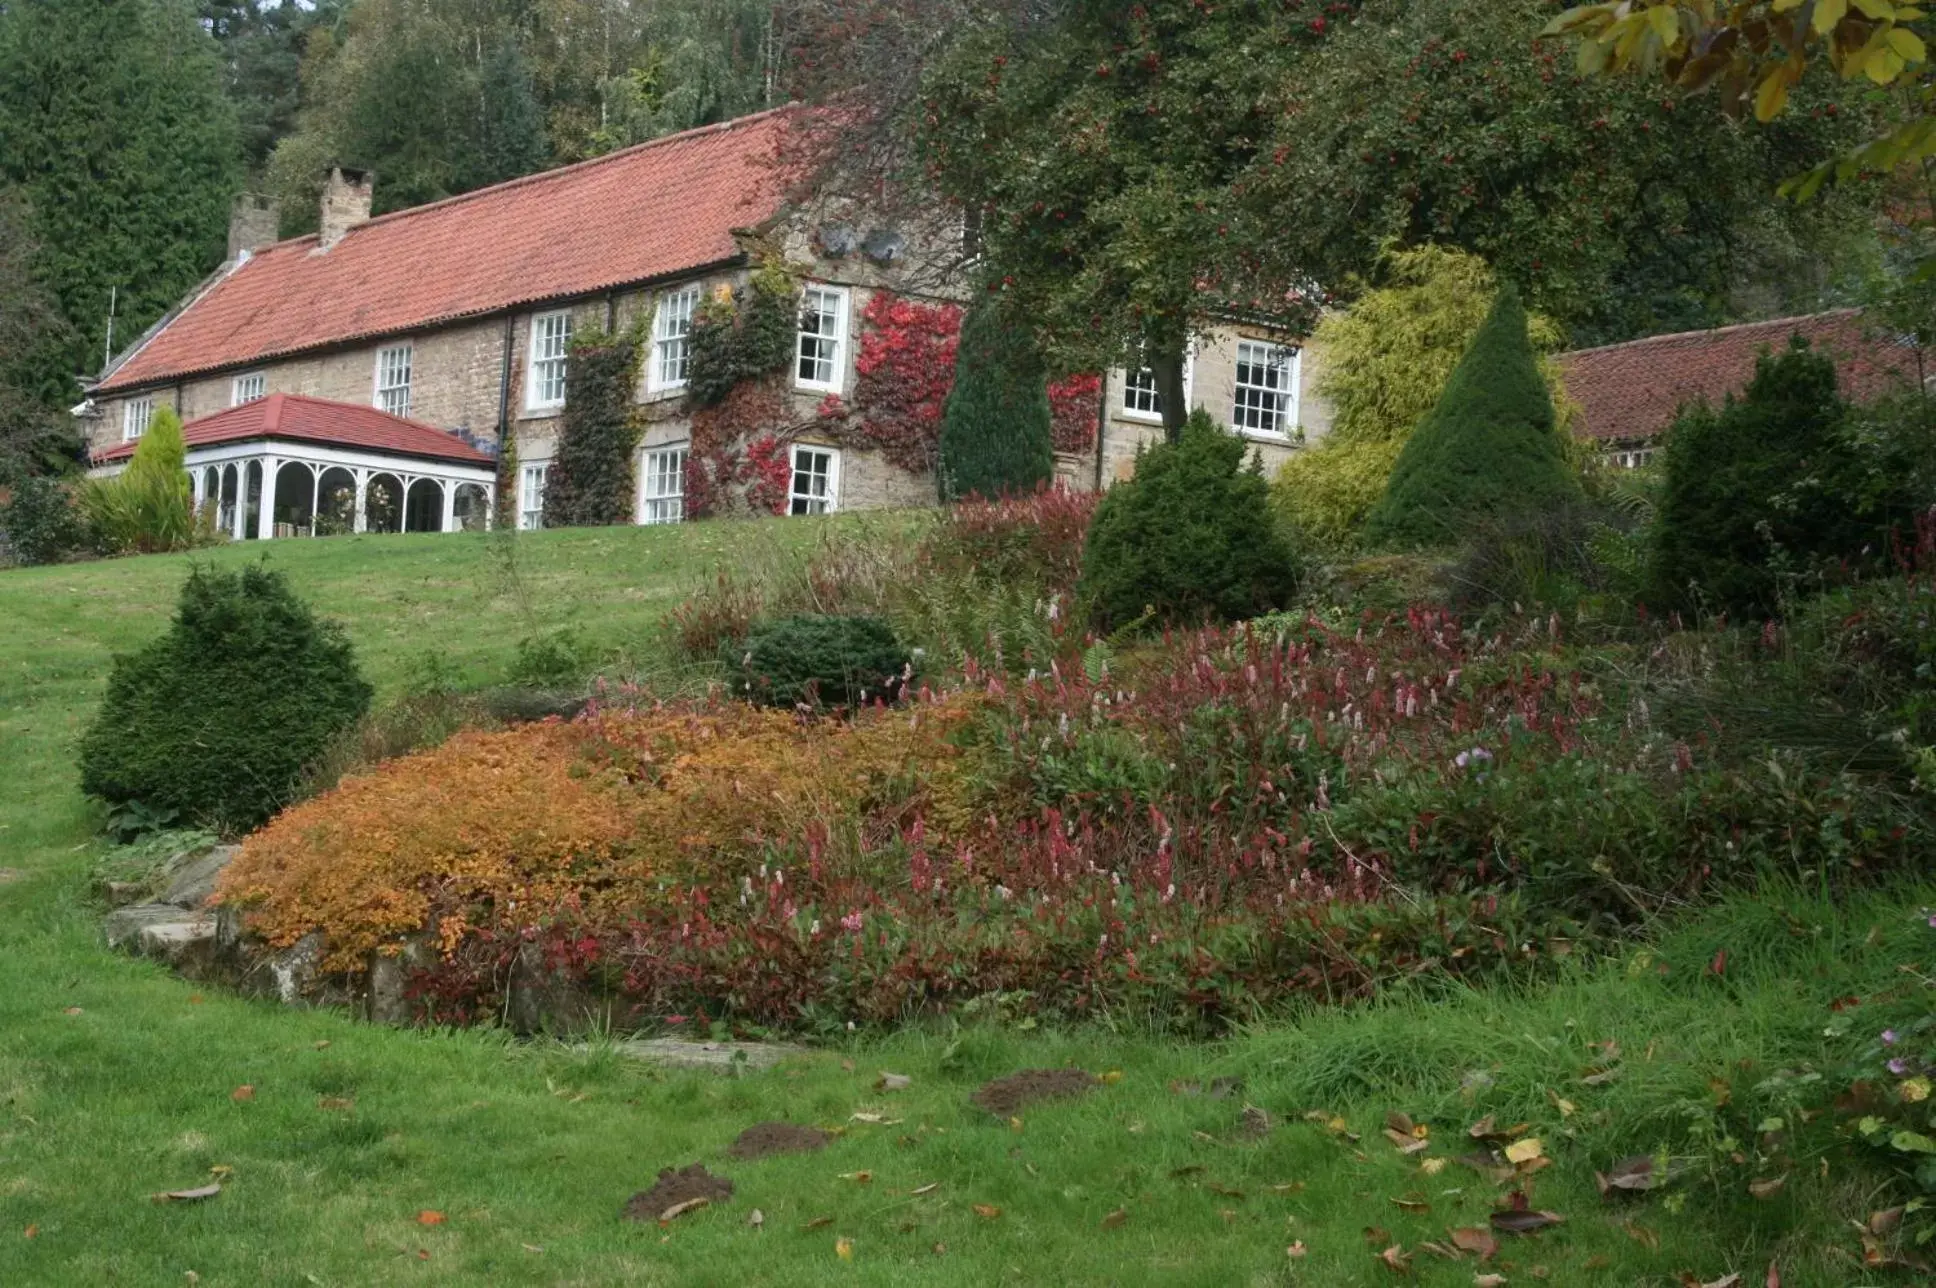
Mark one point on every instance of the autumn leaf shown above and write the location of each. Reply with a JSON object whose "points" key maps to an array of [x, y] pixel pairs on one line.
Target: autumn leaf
{"points": [[1767, 1187], [1632, 1174], [1524, 1221], [678, 1210], [1477, 1240], [892, 1081], [756, 1219], [1431, 1166], [30, 1232], [1115, 1218], [1397, 1260], [1297, 1251], [242, 1094], [929, 1188], [1489, 1281], [844, 1248], [1524, 1151], [858, 1178], [1411, 1203], [987, 1211], [430, 1217], [195, 1195], [1112, 1077], [817, 1223]]}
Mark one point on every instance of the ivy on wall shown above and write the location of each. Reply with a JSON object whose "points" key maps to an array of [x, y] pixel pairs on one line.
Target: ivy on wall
{"points": [[591, 479], [903, 372], [738, 456], [742, 346], [737, 339]]}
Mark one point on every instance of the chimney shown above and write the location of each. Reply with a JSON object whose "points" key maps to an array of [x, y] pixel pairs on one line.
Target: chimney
{"points": [[255, 221], [346, 202]]}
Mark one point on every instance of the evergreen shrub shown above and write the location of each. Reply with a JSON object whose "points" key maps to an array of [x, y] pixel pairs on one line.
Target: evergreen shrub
{"points": [[149, 506], [997, 434], [1778, 479], [1489, 450], [40, 523], [824, 660], [217, 719], [1189, 537]]}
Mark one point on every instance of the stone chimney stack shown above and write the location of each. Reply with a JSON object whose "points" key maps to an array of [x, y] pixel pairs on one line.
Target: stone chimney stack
{"points": [[346, 202], [255, 221]]}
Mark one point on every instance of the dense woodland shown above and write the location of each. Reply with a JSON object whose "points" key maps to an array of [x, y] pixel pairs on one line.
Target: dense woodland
{"points": [[1267, 146]]}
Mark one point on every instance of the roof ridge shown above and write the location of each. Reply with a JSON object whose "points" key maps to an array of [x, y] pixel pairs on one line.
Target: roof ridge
{"points": [[1715, 330], [523, 180]]}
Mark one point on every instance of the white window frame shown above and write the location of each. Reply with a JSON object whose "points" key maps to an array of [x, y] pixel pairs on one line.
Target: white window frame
{"points": [[136, 415], [389, 394], [250, 386], [1291, 362], [672, 341], [532, 476], [836, 362], [662, 484], [538, 364], [1131, 383], [829, 500]]}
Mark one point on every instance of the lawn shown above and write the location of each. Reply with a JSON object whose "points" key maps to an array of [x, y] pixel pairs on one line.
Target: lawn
{"points": [[118, 1081]]}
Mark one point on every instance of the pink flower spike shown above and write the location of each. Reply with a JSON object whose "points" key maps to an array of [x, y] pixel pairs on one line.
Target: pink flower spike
{"points": [[1888, 1037], [1899, 1066]]}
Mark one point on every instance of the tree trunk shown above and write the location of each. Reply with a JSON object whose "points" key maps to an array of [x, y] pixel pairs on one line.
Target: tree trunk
{"points": [[1166, 364]]}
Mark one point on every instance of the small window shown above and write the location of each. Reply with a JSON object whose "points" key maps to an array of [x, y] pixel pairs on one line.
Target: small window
{"points": [[1139, 394], [135, 415], [672, 340], [247, 389], [1266, 398], [393, 379], [550, 353], [816, 480], [823, 334], [662, 486], [531, 490]]}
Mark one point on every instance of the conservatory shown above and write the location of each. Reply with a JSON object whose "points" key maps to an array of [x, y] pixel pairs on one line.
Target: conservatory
{"points": [[291, 466]]}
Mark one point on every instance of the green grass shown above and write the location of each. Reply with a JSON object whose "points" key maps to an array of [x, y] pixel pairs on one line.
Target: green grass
{"points": [[116, 1079]]}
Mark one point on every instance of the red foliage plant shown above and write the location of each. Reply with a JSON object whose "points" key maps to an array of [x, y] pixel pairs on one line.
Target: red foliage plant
{"points": [[1075, 412], [738, 456]]}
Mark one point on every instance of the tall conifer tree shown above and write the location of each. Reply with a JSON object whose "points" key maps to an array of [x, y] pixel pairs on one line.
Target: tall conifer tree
{"points": [[995, 431]]}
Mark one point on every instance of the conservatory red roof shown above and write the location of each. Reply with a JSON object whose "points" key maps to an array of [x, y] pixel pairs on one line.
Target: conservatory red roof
{"points": [[1631, 392], [655, 210], [318, 420]]}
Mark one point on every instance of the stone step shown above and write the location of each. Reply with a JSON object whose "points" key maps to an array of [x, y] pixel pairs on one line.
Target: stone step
{"points": [[161, 931]]}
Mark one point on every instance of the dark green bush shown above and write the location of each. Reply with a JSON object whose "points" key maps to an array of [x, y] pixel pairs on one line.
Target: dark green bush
{"points": [[824, 661], [995, 431], [1488, 450], [592, 482], [217, 719], [1191, 537], [1776, 483], [40, 522]]}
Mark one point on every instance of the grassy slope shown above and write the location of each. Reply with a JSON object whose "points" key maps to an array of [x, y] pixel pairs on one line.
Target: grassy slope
{"points": [[529, 1151]]}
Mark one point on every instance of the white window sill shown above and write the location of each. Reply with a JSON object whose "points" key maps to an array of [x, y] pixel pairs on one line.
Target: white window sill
{"points": [[807, 387], [664, 393], [542, 413], [1142, 417]]}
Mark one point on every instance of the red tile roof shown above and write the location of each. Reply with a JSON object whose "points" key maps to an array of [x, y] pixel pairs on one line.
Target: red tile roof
{"points": [[1632, 391], [661, 208], [318, 420]]}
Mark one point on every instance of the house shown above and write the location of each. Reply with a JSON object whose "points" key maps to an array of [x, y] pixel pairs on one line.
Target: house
{"points": [[457, 316], [1627, 395]]}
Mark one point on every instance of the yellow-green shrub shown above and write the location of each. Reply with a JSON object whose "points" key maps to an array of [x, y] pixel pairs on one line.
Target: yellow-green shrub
{"points": [[148, 507]]}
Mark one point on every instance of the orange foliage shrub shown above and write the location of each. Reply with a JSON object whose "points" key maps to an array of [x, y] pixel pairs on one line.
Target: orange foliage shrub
{"points": [[503, 831]]}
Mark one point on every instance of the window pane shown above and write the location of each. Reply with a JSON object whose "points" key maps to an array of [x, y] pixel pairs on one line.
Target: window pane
{"points": [[665, 486], [1264, 396], [819, 350], [531, 497], [550, 346], [393, 379], [671, 344], [1139, 393], [812, 488], [249, 388]]}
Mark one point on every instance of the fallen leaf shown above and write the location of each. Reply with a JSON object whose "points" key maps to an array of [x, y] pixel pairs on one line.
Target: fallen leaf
{"points": [[844, 1249], [194, 999], [1477, 1240], [1431, 1166], [1524, 1151], [1225, 1190], [242, 1093], [430, 1217], [929, 1188], [320, 1046], [1401, 1123], [939, 1249], [423, 1254], [1115, 1218], [1489, 1281], [1290, 1187], [892, 1081], [1767, 1187], [1438, 1249], [1719, 966], [878, 1120], [335, 1102], [1404, 1143], [1566, 1107], [858, 1178], [72, 1010], [195, 1195], [987, 1211], [30, 1231], [1410, 1204], [756, 1219], [528, 1247], [1297, 1251], [1397, 1259], [1725, 1281], [1375, 1235], [817, 1222], [1633, 1174], [1484, 1129], [221, 1171], [1015, 1124], [1884, 1221], [678, 1210], [1488, 1165], [1112, 1077], [1640, 1234], [1524, 1222]]}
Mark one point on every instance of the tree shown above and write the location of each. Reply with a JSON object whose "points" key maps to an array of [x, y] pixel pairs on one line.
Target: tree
{"points": [[262, 44], [36, 435], [1618, 211], [114, 126], [148, 507], [510, 120], [1101, 152], [995, 428], [1489, 450]]}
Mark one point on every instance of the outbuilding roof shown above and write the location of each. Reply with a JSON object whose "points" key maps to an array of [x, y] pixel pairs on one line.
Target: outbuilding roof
{"points": [[319, 420], [1631, 392], [655, 210]]}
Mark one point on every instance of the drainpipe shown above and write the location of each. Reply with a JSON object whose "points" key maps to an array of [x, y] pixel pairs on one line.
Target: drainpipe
{"points": [[504, 385], [1102, 424]]}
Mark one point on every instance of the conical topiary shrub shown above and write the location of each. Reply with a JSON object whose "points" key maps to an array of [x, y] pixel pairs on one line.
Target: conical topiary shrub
{"points": [[996, 434], [1488, 450]]}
